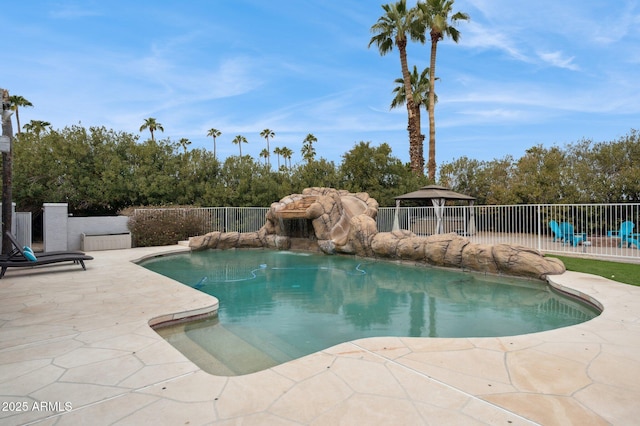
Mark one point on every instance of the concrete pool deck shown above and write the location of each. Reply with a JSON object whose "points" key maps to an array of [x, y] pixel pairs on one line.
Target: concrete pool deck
{"points": [[76, 348]]}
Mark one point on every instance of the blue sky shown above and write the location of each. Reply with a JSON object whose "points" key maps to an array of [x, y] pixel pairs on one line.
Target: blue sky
{"points": [[524, 73]]}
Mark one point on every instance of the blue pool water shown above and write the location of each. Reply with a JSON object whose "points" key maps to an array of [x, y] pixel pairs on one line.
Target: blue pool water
{"points": [[276, 306]]}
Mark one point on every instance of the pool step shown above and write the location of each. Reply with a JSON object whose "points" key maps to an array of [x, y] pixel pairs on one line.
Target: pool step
{"points": [[233, 353], [228, 350], [269, 343], [196, 353]]}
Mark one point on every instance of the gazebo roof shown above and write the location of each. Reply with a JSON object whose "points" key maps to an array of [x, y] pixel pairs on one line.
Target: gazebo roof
{"points": [[434, 191]]}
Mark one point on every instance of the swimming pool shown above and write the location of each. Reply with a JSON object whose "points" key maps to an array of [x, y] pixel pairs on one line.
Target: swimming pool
{"points": [[276, 306]]}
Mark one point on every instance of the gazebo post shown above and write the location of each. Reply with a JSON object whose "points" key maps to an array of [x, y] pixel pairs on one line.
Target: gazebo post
{"points": [[472, 219], [396, 221], [438, 204]]}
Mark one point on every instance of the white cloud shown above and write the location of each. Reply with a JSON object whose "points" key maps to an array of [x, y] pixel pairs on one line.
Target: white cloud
{"points": [[476, 36], [72, 11], [498, 114], [557, 59]]}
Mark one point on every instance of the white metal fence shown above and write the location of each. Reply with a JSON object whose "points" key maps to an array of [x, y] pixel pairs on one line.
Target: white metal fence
{"points": [[209, 219], [595, 227]]}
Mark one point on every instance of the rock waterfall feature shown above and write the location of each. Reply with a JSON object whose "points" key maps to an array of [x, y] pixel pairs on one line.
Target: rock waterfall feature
{"points": [[337, 221]]}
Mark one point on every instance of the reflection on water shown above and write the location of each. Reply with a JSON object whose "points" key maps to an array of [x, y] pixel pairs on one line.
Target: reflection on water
{"points": [[278, 306]]}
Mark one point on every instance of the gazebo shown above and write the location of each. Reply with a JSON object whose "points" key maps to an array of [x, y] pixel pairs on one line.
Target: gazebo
{"points": [[438, 196]]}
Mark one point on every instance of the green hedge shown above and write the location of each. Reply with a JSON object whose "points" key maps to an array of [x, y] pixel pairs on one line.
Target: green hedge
{"points": [[159, 229]]}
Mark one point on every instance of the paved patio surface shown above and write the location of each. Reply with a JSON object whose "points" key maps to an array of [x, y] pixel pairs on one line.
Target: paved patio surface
{"points": [[76, 348]]}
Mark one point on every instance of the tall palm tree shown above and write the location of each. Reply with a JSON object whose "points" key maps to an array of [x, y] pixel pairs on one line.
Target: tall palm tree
{"points": [[264, 154], [214, 133], [268, 133], [308, 151], [18, 101], [394, 28], [287, 154], [36, 126], [437, 17], [420, 87], [239, 140], [277, 151], [151, 124]]}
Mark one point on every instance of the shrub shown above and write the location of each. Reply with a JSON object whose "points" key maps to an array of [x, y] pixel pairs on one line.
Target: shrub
{"points": [[163, 227]]}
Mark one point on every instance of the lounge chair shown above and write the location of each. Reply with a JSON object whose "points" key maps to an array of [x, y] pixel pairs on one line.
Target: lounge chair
{"points": [[570, 236], [626, 235], [25, 258], [555, 228]]}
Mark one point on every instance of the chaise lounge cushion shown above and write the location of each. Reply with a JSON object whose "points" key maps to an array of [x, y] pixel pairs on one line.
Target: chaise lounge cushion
{"points": [[28, 253]]}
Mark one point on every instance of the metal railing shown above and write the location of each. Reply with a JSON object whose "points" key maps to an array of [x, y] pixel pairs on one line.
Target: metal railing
{"points": [[209, 219], [595, 226]]}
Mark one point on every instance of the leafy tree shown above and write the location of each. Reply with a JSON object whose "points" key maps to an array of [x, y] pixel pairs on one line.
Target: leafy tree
{"points": [[156, 172], [437, 17], [628, 154], [244, 182], [393, 28], [375, 171], [606, 171], [308, 151], [461, 175], [214, 133], [239, 140], [17, 102], [579, 172], [268, 133], [197, 171], [151, 124], [91, 170], [538, 176], [315, 173], [584, 172], [489, 181]]}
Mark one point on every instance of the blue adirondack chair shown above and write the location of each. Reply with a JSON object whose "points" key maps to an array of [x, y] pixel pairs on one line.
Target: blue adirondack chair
{"points": [[626, 235], [555, 228], [570, 236]]}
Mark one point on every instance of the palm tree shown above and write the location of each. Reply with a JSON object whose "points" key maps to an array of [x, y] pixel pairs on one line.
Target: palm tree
{"points": [[287, 154], [214, 133], [391, 29], [268, 133], [18, 101], [420, 87], [307, 151], [184, 143], [36, 126], [277, 151], [437, 19], [239, 140], [264, 154], [151, 124]]}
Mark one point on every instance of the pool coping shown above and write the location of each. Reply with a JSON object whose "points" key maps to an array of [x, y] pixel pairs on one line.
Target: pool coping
{"points": [[84, 338]]}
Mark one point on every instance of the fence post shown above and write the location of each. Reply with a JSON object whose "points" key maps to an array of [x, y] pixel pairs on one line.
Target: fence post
{"points": [[539, 228]]}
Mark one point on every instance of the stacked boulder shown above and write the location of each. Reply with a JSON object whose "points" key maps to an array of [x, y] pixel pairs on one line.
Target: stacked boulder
{"points": [[344, 222]]}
